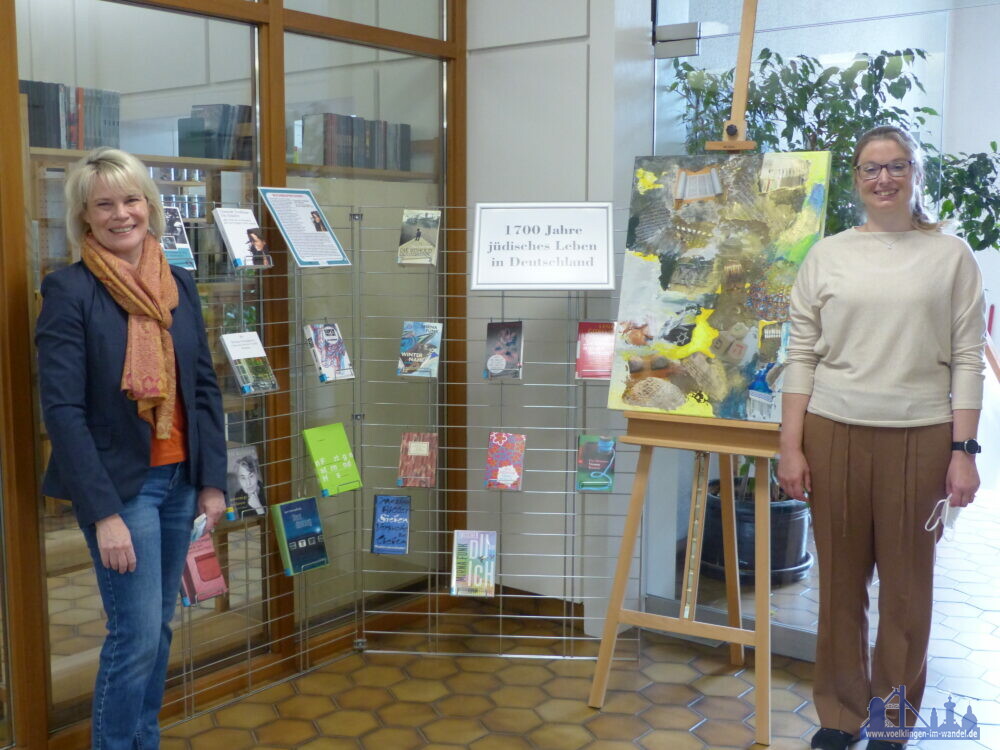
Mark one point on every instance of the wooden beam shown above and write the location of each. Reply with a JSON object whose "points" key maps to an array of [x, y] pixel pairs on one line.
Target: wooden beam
{"points": [[310, 24], [734, 130], [230, 10], [22, 545], [279, 588]]}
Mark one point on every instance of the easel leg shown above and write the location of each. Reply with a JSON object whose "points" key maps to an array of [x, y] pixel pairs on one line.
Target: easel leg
{"points": [[737, 655], [762, 601], [617, 596], [691, 578]]}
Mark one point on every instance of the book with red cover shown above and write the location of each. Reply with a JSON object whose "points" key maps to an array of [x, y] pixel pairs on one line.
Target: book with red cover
{"points": [[595, 348], [202, 577], [418, 460], [505, 461]]}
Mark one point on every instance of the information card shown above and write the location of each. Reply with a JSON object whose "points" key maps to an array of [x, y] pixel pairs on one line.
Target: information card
{"points": [[304, 227], [543, 246]]}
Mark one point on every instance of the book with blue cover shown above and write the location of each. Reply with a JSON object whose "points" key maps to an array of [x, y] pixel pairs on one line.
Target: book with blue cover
{"points": [[419, 349], [299, 531], [391, 525]]}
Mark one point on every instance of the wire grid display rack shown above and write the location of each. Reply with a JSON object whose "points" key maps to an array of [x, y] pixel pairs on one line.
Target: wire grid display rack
{"points": [[556, 547]]}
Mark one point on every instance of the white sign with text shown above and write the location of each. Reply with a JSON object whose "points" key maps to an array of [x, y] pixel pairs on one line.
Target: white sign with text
{"points": [[543, 246]]}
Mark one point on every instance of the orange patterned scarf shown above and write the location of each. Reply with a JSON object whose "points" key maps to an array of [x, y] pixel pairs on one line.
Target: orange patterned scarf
{"points": [[147, 293]]}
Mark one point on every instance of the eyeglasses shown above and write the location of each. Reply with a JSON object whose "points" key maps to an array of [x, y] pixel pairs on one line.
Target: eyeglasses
{"points": [[870, 170]]}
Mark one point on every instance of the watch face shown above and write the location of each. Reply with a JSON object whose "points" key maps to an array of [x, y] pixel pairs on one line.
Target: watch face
{"points": [[972, 446]]}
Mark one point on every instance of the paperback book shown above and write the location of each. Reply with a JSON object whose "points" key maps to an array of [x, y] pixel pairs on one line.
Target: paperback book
{"points": [[329, 352], [418, 238], [391, 525], [504, 344], [418, 453], [176, 247], [243, 237], [299, 531], [595, 349], [202, 577], [505, 461], [419, 349], [474, 563], [331, 455], [595, 464], [249, 360], [245, 483]]}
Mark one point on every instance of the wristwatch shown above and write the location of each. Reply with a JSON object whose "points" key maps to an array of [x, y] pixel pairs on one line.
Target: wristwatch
{"points": [[970, 446]]}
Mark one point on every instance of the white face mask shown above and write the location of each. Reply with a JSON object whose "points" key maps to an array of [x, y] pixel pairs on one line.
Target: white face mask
{"points": [[943, 515]]}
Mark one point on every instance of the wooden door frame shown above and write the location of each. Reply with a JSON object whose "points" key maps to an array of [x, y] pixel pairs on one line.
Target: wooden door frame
{"points": [[23, 539]]}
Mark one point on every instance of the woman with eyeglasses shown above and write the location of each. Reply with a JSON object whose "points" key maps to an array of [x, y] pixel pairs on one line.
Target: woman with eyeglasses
{"points": [[881, 401]]}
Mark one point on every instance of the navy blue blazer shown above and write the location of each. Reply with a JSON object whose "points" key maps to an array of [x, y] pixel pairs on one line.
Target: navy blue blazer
{"points": [[100, 446]]}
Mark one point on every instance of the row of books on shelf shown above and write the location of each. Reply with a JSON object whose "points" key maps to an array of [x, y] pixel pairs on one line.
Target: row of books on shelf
{"points": [[216, 131], [419, 350], [338, 140], [72, 117]]}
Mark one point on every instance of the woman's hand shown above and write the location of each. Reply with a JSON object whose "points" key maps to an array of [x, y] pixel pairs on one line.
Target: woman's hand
{"points": [[962, 479], [115, 544], [212, 503], [793, 474]]}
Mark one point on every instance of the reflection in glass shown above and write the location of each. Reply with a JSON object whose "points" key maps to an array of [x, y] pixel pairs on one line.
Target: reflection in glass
{"points": [[420, 17], [92, 78]]}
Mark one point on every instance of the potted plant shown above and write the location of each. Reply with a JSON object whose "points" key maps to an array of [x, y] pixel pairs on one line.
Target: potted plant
{"points": [[790, 556], [797, 104]]}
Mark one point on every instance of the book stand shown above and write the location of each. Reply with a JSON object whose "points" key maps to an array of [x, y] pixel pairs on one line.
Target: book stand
{"points": [[704, 436]]}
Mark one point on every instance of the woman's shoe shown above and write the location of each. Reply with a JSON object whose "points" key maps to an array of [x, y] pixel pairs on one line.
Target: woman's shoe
{"points": [[834, 739]]}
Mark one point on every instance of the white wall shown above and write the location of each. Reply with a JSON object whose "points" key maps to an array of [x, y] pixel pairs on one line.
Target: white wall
{"points": [[560, 104]]}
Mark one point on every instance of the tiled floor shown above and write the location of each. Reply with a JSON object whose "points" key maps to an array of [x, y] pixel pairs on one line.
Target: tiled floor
{"points": [[677, 696]]}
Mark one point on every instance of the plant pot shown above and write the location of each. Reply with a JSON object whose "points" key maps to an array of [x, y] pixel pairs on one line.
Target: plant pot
{"points": [[790, 557]]}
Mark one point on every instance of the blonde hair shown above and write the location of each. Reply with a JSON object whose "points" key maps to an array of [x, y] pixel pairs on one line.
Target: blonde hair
{"points": [[919, 217], [120, 171]]}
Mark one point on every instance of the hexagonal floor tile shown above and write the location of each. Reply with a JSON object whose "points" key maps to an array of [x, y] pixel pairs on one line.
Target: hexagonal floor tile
{"points": [[464, 706], [670, 717], [719, 733], [397, 739], [454, 731], [231, 739], [524, 674], [419, 691], [498, 742], [472, 683], [617, 727], [305, 707], [247, 715], [285, 732], [377, 676], [560, 737], [432, 669], [347, 723], [405, 714], [510, 720], [666, 739], [364, 698]]}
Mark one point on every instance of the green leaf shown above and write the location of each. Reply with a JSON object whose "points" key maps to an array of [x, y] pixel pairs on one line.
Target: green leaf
{"points": [[893, 66]]}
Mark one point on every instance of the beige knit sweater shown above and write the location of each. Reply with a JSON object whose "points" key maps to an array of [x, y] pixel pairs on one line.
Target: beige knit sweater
{"points": [[887, 336]]}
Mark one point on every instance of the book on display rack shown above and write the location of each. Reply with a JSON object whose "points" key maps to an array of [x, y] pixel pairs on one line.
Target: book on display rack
{"points": [[332, 458], [249, 360], [391, 525], [243, 237], [505, 461], [419, 349], [418, 453], [329, 352], [299, 532], [473, 563], [504, 348]]}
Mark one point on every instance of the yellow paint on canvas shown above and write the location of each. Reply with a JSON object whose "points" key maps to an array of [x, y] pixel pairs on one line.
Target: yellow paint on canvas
{"points": [[701, 338], [646, 181], [692, 407]]}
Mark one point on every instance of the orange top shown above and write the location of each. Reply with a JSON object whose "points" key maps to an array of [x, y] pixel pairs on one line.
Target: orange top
{"points": [[173, 450]]}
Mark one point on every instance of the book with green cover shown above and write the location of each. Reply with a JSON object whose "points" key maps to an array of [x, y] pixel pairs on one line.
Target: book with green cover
{"points": [[331, 454], [299, 531]]}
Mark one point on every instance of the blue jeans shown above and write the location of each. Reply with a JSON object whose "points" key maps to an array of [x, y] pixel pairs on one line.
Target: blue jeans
{"points": [[139, 605]]}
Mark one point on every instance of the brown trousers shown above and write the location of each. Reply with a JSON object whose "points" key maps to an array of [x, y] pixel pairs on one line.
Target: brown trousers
{"points": [[872, 490]]}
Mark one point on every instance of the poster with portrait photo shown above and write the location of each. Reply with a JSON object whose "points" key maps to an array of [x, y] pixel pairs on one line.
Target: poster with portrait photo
{"points": [[304, 227], [245, 483], [174, 241]]}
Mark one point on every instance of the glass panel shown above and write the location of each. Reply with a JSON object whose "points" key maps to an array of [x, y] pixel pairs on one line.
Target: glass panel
{"points": [[90, 77], [364, 134], [719, 17], [794, 595], [420, 17]]}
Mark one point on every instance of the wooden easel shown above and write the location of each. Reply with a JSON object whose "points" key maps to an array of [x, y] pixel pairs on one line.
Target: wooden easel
{"points": [[704, 436]]}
